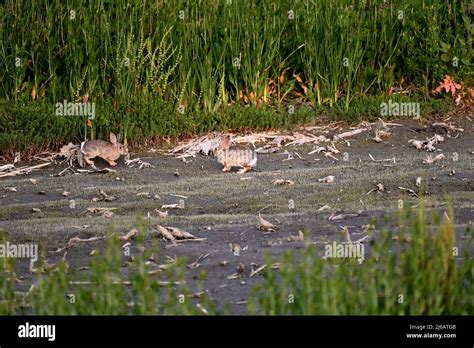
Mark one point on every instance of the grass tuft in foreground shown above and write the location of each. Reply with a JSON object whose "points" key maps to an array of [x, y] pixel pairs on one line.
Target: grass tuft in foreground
{"points": [[416, 270], [107, 287]]}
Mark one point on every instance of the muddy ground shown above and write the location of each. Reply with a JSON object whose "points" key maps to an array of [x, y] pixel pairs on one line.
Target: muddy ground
{"points": [[222, 207]]}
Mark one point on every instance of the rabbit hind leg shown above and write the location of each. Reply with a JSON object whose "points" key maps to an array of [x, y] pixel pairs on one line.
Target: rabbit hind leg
{"points": [[112, 162], [245, 169], [226, 168], [89, 160]]}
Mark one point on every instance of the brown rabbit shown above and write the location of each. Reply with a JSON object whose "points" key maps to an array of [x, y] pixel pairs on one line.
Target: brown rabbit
{"points": [[100, 148], [235, 156]]}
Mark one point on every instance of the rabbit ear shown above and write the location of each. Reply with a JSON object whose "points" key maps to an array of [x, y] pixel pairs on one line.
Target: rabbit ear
{"points": [[113, 138], [119, 137], [225, 142]]}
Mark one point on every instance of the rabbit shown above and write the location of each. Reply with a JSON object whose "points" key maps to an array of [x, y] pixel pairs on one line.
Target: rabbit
{"points": [[100, 148], [235, 156]]}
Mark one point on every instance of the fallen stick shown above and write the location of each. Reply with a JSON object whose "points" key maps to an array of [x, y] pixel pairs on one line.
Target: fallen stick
{"points": [[196, 263], [75, 240], [24, 170], [96, 170], [409, 191], [258, 270], [180, 196], [341, 216], [64, 170], [363, 239], [129, 235], [6, 167], [449, 127], [140, 162], [383, 160], [97, 210], [392, 124], [122, 282], [176, 242], [265, 225], [173, 206], [349, 133], [328, 154], [265, 207]]}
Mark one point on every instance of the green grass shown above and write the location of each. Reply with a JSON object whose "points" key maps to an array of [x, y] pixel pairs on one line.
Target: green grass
{"points": [[421, 272], [418, 273], [171, 67], [205, 53], [33, 126]]}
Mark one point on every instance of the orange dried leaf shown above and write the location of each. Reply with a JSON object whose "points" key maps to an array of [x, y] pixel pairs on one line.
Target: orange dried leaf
{"points": [[305, 89], [34, 94], [282, 77], [297, 78], [449, 85]]}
